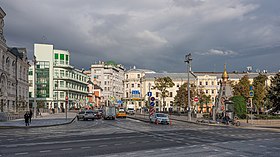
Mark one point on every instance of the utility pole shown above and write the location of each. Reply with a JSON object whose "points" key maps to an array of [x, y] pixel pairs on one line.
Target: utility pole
{"points": [[35, 87], [188, 59]]}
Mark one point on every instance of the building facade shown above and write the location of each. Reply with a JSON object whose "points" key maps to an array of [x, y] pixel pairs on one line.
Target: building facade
{"points": [[13, 75], [56, 80], [109, 76]]}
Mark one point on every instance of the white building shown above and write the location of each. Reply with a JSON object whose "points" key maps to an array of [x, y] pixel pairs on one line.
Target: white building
{"points": [[13, 75], [56, 79], [109, 76]]}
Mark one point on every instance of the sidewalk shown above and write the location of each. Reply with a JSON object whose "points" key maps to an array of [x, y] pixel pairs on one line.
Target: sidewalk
{"points": [[44, 120]]}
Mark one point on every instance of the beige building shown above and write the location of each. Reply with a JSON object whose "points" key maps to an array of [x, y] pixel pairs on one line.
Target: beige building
{"points": [[13, 75]]}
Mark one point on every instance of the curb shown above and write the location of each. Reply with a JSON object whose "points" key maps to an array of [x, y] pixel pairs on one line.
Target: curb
{"points": [[40, 126]]}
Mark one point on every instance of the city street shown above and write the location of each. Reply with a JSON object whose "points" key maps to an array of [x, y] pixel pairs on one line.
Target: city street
{"points": [[128, 137]]}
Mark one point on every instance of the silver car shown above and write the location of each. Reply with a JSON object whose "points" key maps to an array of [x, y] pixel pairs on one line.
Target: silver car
{"points": [[85, 115], [159, 118]]}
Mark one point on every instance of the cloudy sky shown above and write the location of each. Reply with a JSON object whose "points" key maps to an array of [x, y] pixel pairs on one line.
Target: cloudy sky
{"points": [[151, 34]]}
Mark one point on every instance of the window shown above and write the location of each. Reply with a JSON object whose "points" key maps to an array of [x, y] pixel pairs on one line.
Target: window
{"points": [[61, 56], [30, 83], [62, 95], [67, 58], [178, 85], [126, 85], [206, 91], [61, 73], [126, 76], [212, 83], [206, 83], [132, 85], [157, 94], [213, 91], [171, 94], [200, 83], [61, 83], [55, 56], [138, 75], [30, 72], [138, 85]]}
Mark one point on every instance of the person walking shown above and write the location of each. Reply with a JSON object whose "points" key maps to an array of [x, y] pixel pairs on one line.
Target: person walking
{"points": [[26, 118], [30, 115]]}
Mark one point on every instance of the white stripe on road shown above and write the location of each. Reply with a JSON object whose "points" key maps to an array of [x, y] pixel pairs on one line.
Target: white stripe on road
{"points": [[24, 153], [66, 149], [179, 147], [103, 146], [117, 144], [166, 149], [45, 151], [85, 147], [228, 153], [149, 151]]}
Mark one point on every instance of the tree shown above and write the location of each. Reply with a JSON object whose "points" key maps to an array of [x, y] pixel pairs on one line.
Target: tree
{"points": [[242, 88], [181, 98], [239, 103], [274, 92], [206, 99], [259, 91], [162, 84]]}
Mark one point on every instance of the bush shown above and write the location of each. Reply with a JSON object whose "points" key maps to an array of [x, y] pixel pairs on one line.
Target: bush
{"points": [[262, 116]]}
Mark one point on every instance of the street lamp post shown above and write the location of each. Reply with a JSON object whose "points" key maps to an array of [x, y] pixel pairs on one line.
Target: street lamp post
{"points": [[35, 87], [188, 59]]}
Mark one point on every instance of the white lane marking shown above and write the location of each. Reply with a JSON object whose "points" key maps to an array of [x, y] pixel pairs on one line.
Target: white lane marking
{"points": [[243, 155], [166, 149], [228, 153], [179, 147], [112, 155], [85, 147], [117, 144], [66, 149], [132, 142], [216, 150], [72, 141], [133, 153], [45, 151], [23, 153], [103, 146], [275, 148], [149, 151], [262, 146], [192, 146]]}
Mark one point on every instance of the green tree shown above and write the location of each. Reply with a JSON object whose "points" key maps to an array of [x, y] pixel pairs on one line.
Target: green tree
{"points": [[162, 84], [181, 98], [274, 92], [205, 99], [239, 103], [242, 88], [259, 91]]}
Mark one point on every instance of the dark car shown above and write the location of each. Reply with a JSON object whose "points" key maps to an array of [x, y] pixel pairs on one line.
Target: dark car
{"points": [[97, 114]]}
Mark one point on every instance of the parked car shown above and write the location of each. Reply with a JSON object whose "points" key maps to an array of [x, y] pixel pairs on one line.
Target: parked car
{"points": [[159, 118], [85, 115]]}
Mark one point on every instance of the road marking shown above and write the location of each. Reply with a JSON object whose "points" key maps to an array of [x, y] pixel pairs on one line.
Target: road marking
{"points": [[275, 148], [192, 146], [117, 144], [45, 151], [85, 147], [149, 151], [166, 149], [228, 153], [103, 146], [243, 155], [205, 147], [262, 146], [216, 150], [24, 153], [130, 153], [179, 147], [132, 142], [66, 149]]}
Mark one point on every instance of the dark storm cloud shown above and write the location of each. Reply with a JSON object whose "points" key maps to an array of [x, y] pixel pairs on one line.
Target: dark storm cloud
{"points": [[151, 34]]}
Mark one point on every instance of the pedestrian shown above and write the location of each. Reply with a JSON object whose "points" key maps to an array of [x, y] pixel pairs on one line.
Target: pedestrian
{"points": [[26, 118], [30, 115], [38, 111]]}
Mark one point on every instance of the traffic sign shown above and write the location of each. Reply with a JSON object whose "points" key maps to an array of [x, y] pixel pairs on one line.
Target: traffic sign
{"points": [[152, 103], [195, 99], [149, 93], [152, 98], [251, 93]]}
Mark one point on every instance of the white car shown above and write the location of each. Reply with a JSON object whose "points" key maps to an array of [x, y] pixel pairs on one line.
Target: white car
{"points": [[159, 118]]}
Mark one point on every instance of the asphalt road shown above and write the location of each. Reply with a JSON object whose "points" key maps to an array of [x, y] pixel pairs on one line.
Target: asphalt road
{"points": [[127, 137]]}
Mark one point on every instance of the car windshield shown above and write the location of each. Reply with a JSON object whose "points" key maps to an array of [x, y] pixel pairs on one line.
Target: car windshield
{"points": [[89, 111], [161, 115]]}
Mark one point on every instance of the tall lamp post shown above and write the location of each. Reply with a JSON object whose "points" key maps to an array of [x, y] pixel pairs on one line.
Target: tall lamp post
{"points": [[35, 88], [188, 59]]}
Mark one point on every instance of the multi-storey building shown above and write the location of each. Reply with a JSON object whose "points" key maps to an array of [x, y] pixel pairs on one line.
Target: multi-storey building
{"points": [[139, 82], [134, 91], [56, 80], [109, 76], [13, 75]]}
